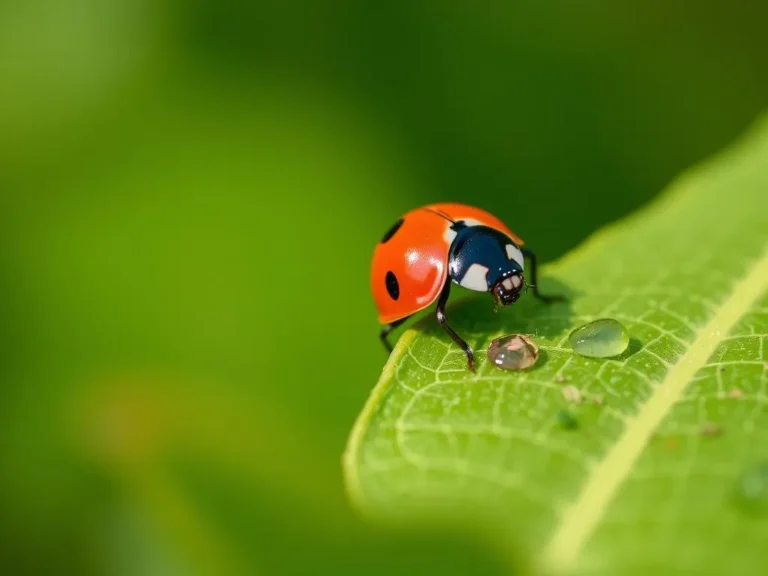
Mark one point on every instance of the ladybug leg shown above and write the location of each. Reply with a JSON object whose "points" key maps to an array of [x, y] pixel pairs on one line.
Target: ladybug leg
{"points": [[387, 329], [441, 318], [534, 280]]}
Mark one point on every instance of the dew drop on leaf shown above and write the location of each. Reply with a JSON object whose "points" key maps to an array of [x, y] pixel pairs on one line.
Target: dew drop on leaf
{"points": [[572, 394], [600, 339], [513, 352], [752, 489]]}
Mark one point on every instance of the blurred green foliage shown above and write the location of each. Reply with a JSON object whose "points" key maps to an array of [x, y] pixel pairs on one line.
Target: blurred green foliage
{"points": [[189, 196]]}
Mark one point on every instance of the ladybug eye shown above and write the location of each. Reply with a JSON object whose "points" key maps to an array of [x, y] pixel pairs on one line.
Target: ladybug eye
{"points": [[393, 286]]}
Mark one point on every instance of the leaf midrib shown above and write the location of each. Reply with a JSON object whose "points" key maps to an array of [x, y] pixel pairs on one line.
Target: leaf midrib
{"points": [[606, 478]]}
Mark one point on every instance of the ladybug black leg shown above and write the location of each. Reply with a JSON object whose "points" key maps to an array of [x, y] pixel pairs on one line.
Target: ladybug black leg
{"points": [[387, 329], [534, 280], [442, 320]]}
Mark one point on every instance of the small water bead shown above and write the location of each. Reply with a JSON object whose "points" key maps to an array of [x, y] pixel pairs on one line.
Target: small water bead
{"points": [[752, 490], [572, 394], [513, 352], [600, 339]]}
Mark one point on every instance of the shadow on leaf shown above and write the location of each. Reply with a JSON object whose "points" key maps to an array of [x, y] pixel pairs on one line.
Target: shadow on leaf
{"points": [[633, 348], [478, 321]]}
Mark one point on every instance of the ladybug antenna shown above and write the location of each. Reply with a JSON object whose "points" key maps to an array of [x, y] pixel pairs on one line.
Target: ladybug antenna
{"points": [[442, 215]]}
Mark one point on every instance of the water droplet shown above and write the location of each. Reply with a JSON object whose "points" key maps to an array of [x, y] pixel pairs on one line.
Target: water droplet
{"points": [[752, 489], [572, 394], [600, 339], [513, 352]]}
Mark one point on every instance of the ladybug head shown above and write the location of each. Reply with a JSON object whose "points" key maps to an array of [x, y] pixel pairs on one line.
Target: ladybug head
{"points": [[486, 259], [507, 290]]}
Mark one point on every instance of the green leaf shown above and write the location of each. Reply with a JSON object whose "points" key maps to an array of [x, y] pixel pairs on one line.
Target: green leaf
{"points": [[644, 472]]}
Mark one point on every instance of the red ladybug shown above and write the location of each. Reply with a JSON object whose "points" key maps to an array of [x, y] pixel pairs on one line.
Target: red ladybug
{"points": [[430, 248]]}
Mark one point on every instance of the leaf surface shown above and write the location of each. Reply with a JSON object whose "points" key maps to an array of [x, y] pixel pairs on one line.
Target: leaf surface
{"points": [[648, 479]]}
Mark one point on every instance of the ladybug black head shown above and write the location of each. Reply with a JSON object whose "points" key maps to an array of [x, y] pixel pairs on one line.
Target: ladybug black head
{"points": [[507, 290], [486, 259]]}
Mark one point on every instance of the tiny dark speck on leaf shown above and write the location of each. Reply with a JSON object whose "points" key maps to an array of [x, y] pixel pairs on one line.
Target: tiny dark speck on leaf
{"points": [[669, 442], [566, 419], [710, 429]]}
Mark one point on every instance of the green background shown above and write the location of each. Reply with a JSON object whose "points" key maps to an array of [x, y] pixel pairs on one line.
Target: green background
{"points": [[189, 197]]}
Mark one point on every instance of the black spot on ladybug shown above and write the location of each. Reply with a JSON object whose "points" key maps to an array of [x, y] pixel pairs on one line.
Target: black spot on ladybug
{"points": [[393, 286], [391, 232]]}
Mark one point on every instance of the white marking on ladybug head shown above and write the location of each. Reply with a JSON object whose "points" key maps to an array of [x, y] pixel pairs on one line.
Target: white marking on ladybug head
{"points": [[514, 253], [475, 278], [450, 234]]}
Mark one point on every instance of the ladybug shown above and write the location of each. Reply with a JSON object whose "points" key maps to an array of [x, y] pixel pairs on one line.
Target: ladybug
{"points": [[434, 246]]}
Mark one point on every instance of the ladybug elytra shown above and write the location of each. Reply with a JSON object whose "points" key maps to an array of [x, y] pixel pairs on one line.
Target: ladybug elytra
{"points": [[434, 246]]}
